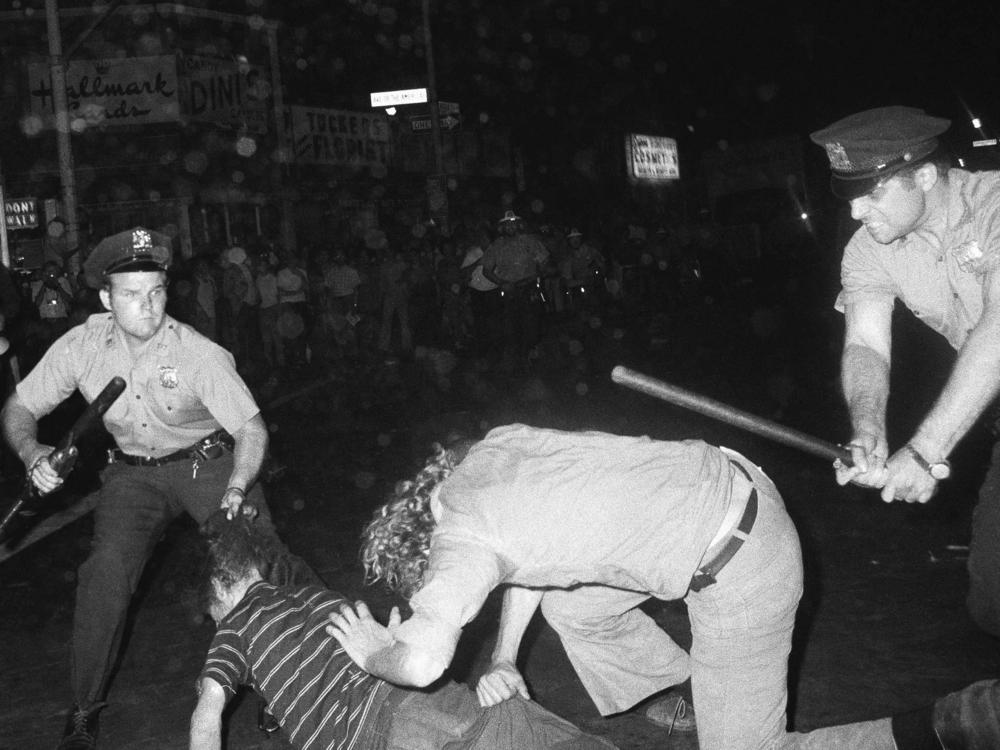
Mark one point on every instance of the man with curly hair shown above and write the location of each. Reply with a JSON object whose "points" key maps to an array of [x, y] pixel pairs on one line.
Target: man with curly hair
{"points": [[588, 525], [273, 639]]}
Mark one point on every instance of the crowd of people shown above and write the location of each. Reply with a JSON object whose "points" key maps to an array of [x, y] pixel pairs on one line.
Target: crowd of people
{"points": [[483, 287]]}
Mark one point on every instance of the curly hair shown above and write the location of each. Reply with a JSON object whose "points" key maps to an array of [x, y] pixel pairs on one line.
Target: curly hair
{"points": [[396, 544]]}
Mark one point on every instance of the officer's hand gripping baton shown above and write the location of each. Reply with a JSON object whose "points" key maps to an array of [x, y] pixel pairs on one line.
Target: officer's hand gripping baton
{"points": [[62, 457]]}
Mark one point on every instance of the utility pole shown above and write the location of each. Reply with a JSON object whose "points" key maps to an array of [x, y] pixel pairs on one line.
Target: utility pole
{"points": [[283, 151], [438, 187], [432, 90], [4, 246], [63, 144]]}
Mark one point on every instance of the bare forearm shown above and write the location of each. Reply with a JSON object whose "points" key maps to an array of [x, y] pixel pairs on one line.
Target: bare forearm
{"points": [[20, 429], [402, 664], [206, 721], [248, 453], [865, 380], [519, 605], [206, 735]]}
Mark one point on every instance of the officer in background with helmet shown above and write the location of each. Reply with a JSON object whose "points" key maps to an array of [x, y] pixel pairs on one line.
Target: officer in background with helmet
{"points": [[189, 439], [930, 238], [513, 261]]}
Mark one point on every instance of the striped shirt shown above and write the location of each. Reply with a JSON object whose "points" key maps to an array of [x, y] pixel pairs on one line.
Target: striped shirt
{"points": [[275, 641]]}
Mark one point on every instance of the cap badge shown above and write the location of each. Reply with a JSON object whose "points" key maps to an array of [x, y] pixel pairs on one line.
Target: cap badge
{"points": [[838, 157], [141, 240]]}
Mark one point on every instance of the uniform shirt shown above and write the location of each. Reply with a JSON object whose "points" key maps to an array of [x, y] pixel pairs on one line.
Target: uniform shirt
{"points": [[275, 641], [181, 388], [515, 258], [544, 508], [477, 279], [941, 283]]}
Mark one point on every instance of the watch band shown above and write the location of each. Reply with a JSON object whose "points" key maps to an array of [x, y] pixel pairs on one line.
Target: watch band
{"points": [[939, 470]]}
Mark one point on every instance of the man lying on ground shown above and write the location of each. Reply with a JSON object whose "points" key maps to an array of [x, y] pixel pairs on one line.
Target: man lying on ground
{"points": [[273, 639]]}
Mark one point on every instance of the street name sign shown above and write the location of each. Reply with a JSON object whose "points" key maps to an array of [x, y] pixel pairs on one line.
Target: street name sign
{"points": [[394, 98]]}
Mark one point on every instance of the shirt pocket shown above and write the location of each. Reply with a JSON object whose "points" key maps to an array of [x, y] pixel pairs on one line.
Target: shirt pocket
{"points": [[165, 396]]}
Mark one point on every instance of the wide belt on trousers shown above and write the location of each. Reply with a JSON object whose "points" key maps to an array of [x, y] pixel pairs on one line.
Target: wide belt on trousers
{"points": [[705, 576], [206, 449]]}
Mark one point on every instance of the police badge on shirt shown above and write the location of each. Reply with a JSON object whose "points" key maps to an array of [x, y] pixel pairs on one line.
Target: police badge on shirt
{"points": [[168, 376]]}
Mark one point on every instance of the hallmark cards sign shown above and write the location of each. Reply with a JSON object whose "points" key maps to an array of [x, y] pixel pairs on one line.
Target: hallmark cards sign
{"points": [[113, 92], [337, 136], [651, 158]]}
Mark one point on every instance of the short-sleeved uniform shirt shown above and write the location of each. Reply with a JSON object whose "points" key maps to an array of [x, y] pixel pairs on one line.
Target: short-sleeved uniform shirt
{"points": [[275, 640], [941, 284], [181, 388], [515, 258], [544, 508]]}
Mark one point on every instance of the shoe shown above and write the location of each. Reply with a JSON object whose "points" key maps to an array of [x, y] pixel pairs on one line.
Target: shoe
{"points": [[81, 728], [265, 719], [673, 712], [968, 718]]}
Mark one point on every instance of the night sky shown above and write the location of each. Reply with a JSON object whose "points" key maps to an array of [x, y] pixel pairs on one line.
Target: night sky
{"points": [[720, 68], [555, 68], [572, 74]]}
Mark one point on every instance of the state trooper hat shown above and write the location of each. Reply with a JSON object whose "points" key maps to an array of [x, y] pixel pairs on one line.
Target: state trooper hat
{"points": [[137, 249], [866, 148]]}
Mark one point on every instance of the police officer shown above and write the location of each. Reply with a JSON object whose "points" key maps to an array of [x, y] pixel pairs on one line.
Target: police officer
{"points": [[189, 439], [930, 237], [513, 261]]}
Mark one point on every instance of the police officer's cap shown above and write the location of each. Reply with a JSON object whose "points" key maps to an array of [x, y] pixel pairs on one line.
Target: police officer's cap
{"points": [[866, 148], [509, 216], [137, 249]]}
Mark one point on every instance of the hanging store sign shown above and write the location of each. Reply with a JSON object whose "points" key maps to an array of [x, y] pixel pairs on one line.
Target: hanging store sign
{"points": [[651, 158], [337, 136], [114, 92], [21, 213], [226, 93]]}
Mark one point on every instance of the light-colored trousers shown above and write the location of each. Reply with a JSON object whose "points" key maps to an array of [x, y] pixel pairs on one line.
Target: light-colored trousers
{"points": [[741, 631]]}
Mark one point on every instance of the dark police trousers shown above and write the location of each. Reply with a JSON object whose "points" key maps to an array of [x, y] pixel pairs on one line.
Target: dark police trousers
{"points": [[135, 505]]}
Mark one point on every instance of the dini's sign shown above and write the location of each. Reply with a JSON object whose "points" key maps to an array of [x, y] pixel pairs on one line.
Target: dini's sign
{"points": [[225, 92]]}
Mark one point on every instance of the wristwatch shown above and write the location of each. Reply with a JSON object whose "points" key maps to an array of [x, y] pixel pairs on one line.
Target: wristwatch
{"points": [[940, 470]]}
